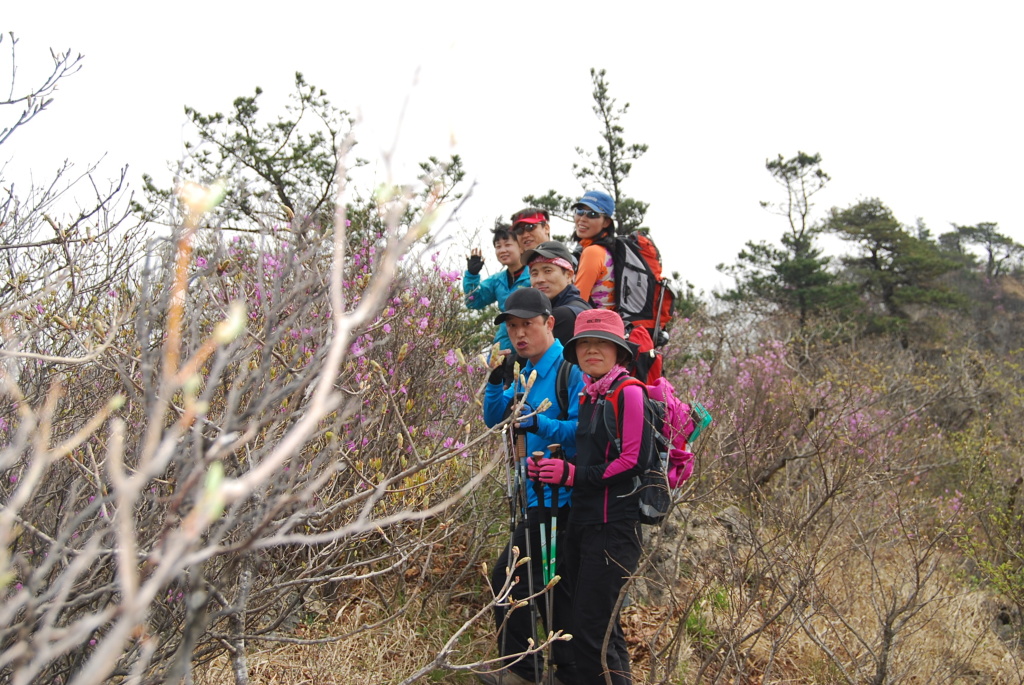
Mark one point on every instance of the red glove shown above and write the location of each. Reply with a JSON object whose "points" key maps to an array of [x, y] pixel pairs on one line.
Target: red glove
{"points": [[552, 471]]}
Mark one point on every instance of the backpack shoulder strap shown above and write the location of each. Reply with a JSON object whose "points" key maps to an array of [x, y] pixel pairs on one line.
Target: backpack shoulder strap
{"points": [[612, 417], [575, 308], [622, 382], [562, 389], [578, 305]]}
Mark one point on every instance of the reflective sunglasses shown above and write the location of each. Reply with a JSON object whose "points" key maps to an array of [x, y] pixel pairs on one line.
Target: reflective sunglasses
{"points": [[520, 229], [589, 213]]}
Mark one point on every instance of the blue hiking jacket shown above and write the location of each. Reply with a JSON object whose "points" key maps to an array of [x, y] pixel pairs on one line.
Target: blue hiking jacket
{"points": [[493, 289], [550, 429]]}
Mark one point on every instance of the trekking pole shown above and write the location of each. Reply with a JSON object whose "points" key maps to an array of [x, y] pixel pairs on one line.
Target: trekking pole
{"points": [[507, 443], [538, 488], [657, 312], [511, 485], [520, 442], [510, 441], [555, 451], [556, 492], [544, 545]]}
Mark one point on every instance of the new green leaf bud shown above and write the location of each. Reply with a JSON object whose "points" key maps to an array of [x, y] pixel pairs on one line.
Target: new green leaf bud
{"points": [[232, 325]]}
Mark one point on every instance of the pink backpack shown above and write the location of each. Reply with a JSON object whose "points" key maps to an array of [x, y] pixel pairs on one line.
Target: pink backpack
{"points": [[669, 463], [678, 427]]}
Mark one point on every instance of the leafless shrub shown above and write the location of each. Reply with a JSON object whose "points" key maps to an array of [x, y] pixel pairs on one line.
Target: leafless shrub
{"points": [[211, 438], [814, 542]]}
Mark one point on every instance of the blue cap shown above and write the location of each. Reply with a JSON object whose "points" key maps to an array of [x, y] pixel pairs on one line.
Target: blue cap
{"points": [[598, 201]]}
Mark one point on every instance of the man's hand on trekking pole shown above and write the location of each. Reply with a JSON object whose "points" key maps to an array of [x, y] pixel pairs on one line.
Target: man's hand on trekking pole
{"points": [[527, 423], [475, 261]]}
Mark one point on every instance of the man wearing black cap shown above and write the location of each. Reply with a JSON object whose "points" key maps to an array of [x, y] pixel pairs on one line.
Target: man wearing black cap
{"points": [[552, 268], [529, 322]]}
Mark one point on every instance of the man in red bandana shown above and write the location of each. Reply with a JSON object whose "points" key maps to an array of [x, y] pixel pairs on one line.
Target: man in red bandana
{"points": [[552, 269]]}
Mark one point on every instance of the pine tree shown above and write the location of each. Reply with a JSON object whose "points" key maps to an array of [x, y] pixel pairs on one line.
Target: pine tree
{"points": [[607, 167], [795, 276]]}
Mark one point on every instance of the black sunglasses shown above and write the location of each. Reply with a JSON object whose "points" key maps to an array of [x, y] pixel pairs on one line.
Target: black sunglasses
{"points": [[589, 213], [520, 229]]}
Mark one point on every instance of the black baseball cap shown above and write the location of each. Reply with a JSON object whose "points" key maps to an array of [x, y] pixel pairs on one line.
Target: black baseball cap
{"points": [[525, 303]]}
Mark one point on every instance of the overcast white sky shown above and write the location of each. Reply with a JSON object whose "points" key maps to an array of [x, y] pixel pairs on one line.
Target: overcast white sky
{"points": [[917, 103]]}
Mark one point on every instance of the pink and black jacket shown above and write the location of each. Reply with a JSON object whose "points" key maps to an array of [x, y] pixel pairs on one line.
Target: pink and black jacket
{"points": [[607, 465]]}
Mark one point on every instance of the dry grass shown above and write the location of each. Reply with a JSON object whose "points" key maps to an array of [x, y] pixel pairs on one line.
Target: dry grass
{"points": [[950, 639], [383, 655]]}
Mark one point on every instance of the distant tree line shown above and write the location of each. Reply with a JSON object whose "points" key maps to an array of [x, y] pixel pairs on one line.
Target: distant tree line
{"points": [[894, 275], [889, 282]]}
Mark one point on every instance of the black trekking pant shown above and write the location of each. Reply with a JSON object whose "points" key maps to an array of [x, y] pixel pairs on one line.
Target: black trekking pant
{"points": [[514, 635], [600, 559]]}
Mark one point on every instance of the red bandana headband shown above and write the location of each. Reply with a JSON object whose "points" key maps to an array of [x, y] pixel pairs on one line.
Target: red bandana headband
{"points": [[557, 261]]}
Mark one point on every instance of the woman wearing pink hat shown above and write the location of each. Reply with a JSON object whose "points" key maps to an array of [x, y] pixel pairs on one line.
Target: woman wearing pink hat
{"points": [[603, 539]]}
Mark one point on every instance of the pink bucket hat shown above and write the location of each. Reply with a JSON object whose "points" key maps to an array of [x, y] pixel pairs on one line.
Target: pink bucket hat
{"points": [[597, 323]]}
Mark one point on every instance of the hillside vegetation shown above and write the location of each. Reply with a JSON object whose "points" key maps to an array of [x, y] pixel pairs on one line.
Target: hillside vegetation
{"points": [[241, 442]]}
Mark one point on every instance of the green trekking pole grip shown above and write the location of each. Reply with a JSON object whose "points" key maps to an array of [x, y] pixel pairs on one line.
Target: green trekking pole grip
{"points": [[555, 450], [538, 489]]}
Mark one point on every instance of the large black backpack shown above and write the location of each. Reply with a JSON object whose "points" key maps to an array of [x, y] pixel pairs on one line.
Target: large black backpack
{"points": [[634, 281], [652, 483]]}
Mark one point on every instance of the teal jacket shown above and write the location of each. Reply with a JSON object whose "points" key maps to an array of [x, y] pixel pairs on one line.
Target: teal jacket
{"points": [[493, 289]]}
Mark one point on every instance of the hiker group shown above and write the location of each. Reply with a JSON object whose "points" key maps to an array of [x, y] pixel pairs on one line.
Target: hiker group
{"points": [[597, 442]]}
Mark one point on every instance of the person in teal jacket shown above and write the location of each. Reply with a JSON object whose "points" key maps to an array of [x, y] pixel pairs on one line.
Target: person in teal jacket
{"points": [[494, 289], [530, 325]]}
